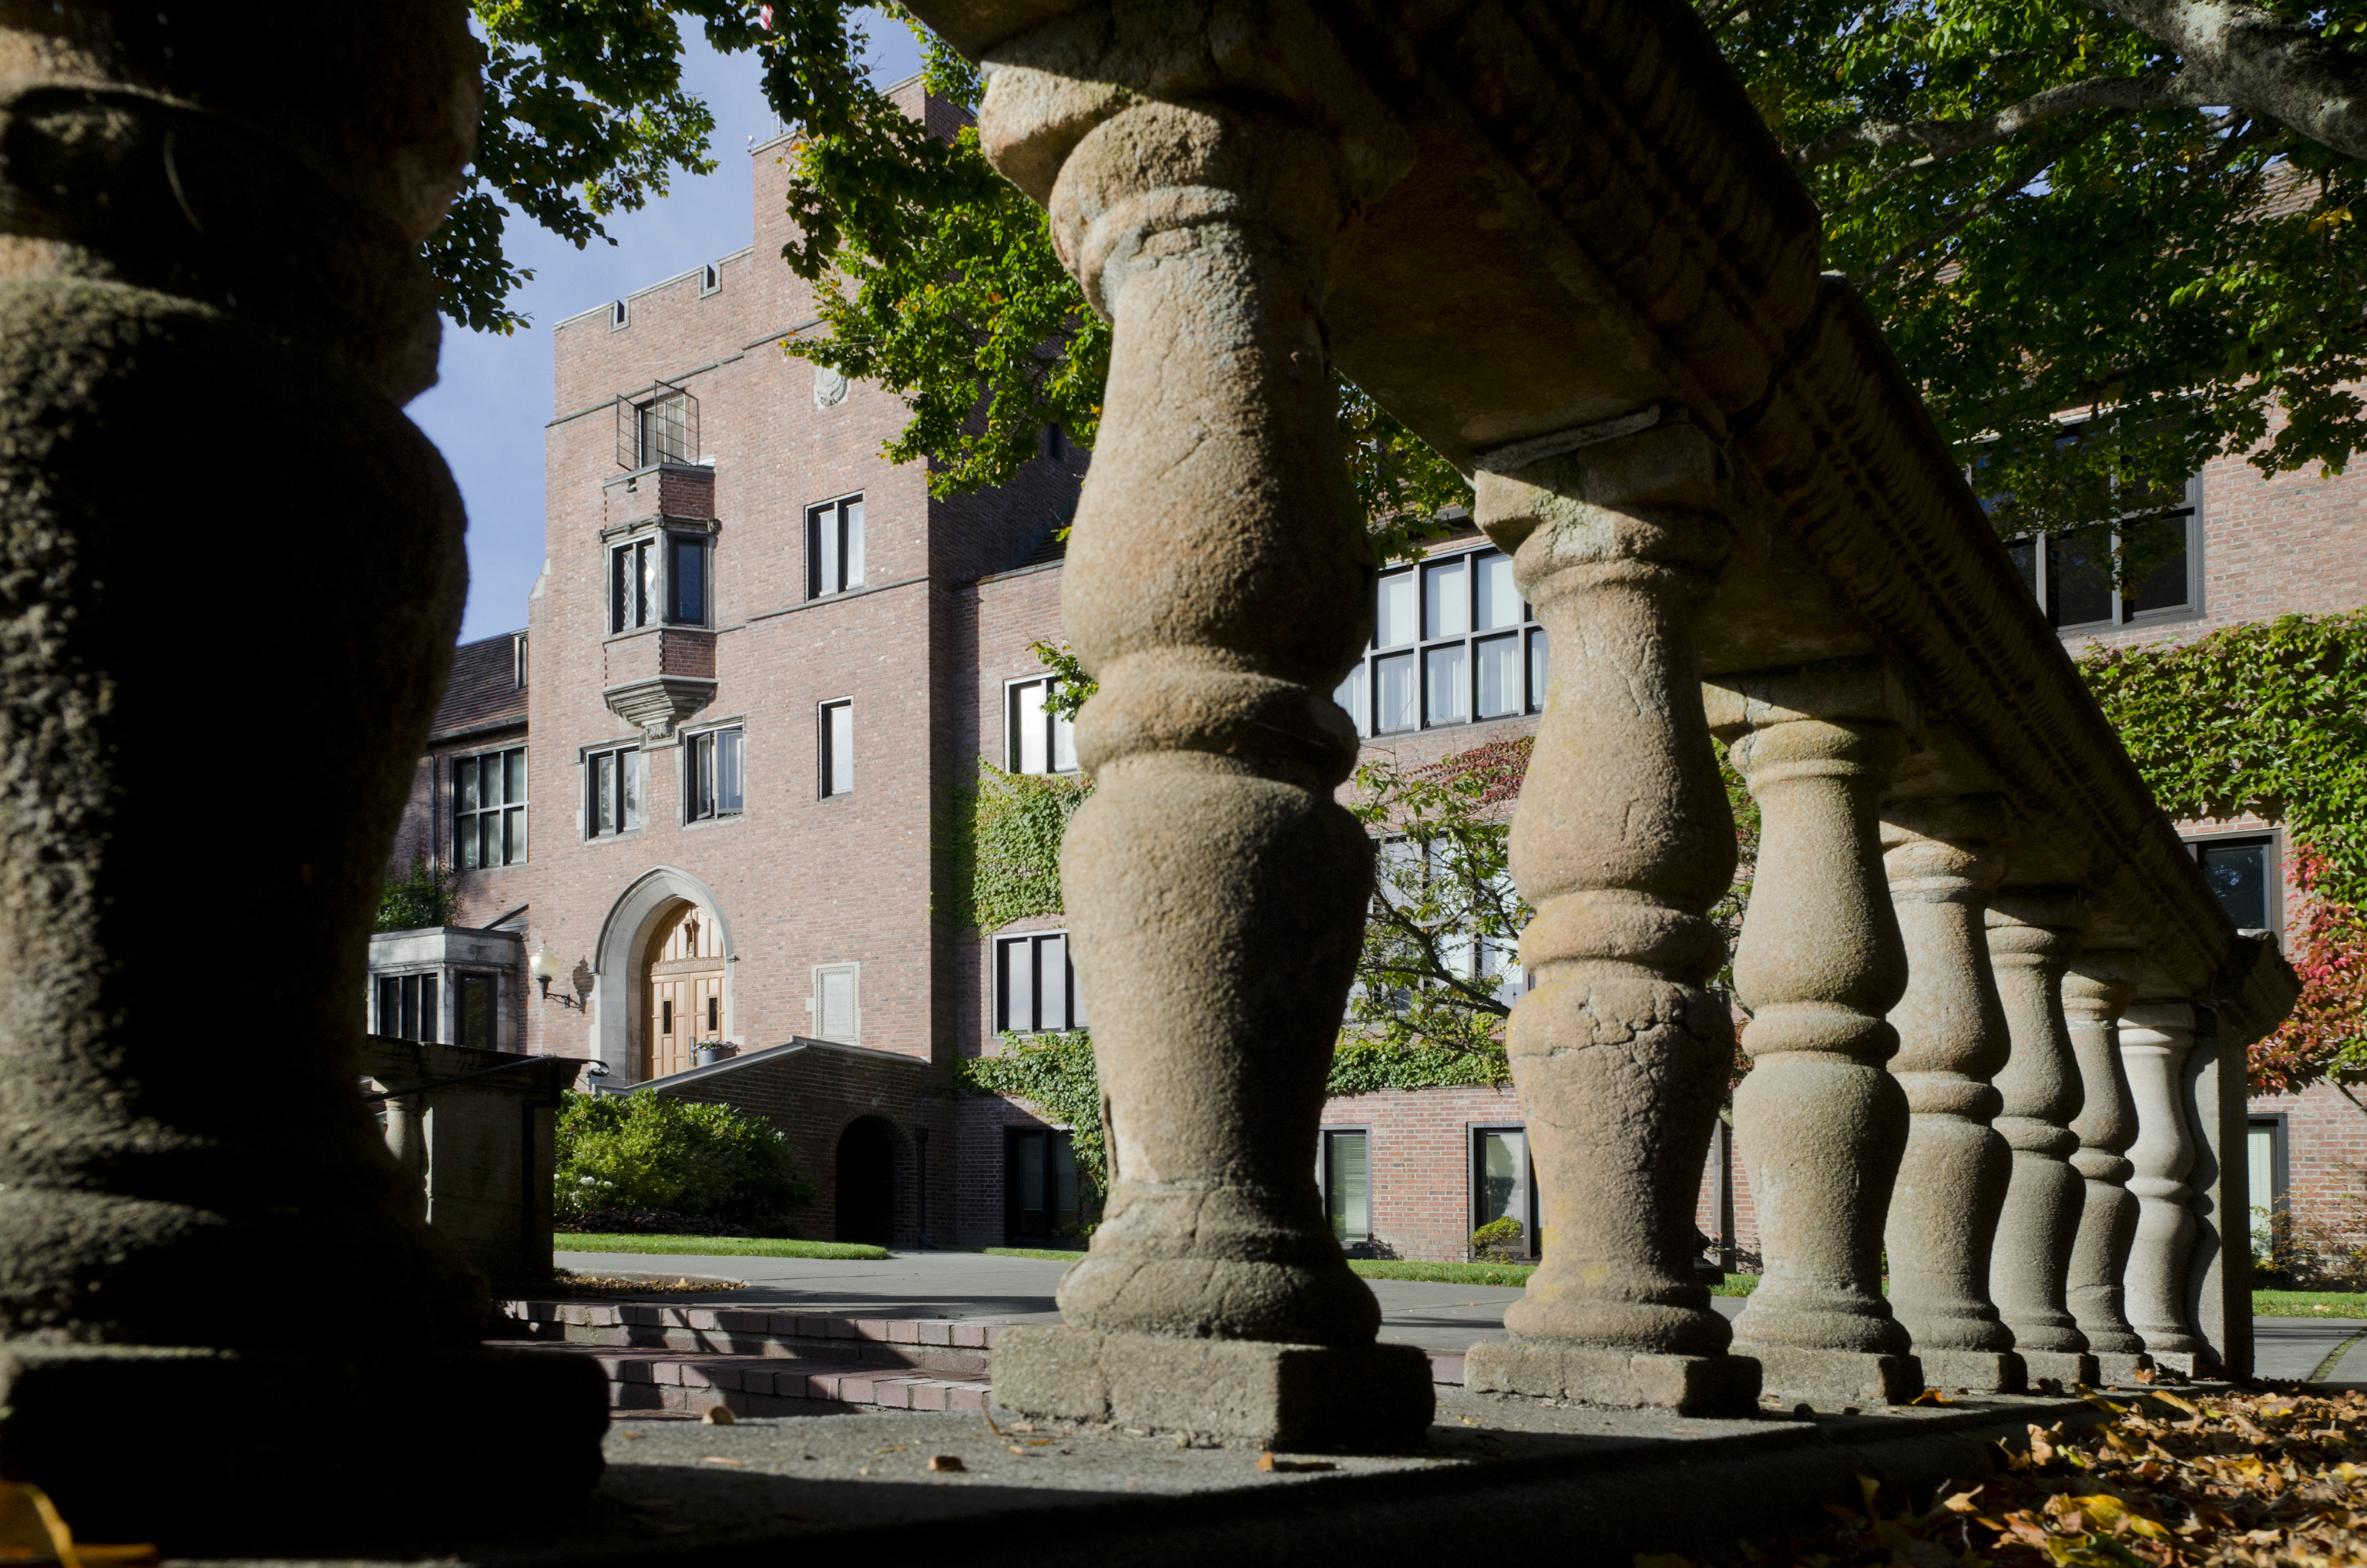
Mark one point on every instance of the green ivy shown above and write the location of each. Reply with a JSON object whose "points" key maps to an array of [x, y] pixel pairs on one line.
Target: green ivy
{"points": [[418, 900], [1012, 825], [1055, 1073], [1365, 1067], [2269, 717]]}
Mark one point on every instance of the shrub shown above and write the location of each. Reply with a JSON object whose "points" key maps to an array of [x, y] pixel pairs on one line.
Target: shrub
{"points": [[650, 1152], [1497, 1240], [422, 898]]}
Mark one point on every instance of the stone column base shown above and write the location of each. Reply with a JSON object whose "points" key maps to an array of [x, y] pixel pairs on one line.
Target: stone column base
{"points": [[1242, 1390], [220, 1453], [2064, 1367], [1832, 1378], [1690, 1385], [1975, 1371], [2119, 1369], [2185, 1363]]}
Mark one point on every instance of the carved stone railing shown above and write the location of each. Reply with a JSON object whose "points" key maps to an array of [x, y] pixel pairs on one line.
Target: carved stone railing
{"points": [[1704, 462]]}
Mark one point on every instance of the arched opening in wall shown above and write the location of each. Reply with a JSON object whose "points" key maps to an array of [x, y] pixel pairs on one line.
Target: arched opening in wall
{"points": [[683, 988], [867, 1182]]}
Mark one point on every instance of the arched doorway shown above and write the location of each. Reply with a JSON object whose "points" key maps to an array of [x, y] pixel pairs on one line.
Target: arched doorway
{"points": [[622, 1009], [684, 987], [867, 1182]]}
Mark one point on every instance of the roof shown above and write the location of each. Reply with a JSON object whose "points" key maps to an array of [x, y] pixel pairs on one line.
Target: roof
{"points": [[484, 690]]}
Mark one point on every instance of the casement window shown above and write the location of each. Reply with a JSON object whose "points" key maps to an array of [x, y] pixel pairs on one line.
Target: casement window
{"points": [[477, 1010], [834, 547], [660, 577], [489, 809], [711, 279], [2243, 870], [613, 782], [837, 1002], [1452, 643], [406, 1006], [1036, 989], [837, 747], [712, 784], [1504, 1182], [518, 658], [2143, 564], [667, 428], [1344, 1176], [1040, 740], [2269, 1161]]}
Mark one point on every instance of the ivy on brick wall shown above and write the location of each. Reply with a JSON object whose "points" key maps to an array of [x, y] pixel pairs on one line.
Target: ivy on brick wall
{"points": [[2270, 719], [1011, 832], [1055, 1073]]}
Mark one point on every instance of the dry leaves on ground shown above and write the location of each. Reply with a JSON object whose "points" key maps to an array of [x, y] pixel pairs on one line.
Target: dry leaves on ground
{"points": [[2257, 1478]]}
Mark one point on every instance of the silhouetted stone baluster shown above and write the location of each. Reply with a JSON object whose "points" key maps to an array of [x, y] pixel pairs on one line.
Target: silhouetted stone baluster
{"points": [[1944, 857], [2033, 933], [1621, 841], [2155, 1037], [2096, 987], [1821, 1124], [210, 209]]}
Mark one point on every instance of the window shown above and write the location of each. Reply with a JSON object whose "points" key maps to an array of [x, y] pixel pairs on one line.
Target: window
{"points": [[636, 590], [612, 792], [1504, 1183], [477, 1011], [517, 655], [1045, 1198], [2243, 872], [406, 1006], [668, 426], [1041, 740], [1036, 988], [834, 547], [2264, 1146], [711, 775], [837, 1002], [620, 315], [711, 279], [1344, 1175], [685, 580], [837, 749], [489, 809], [1403, 874], [1452, 643], [632, 585], [2139, 566]]}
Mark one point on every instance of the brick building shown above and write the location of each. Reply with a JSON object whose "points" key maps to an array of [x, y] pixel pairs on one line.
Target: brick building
{"points": [[714, 784]]}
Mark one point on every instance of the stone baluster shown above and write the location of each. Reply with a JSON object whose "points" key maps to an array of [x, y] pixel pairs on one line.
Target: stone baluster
{"points": [[1219, 583], [2155, 1037], [2096, 987], [2033, 933], [1622, 843], [1944, 856], [1821, 1124], [212, 207], [406, 1140]]}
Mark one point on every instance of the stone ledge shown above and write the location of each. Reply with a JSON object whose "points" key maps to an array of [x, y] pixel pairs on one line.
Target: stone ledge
{"points": [[1690, 1385]]}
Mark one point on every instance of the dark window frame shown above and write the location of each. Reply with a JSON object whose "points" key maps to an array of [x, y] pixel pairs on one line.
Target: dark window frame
{"points": [[1323, 1181], [1089, 1199], [834, 533], [827, 749], [2273, 886], [463, 983], [1473, 1133], [1054, 728], [413, 999], [715, 774], [1363, 685], [621, 758], [468, 853], [1073, 1011]]}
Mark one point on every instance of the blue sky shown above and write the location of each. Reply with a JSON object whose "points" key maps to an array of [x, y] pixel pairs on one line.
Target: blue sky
{"points": [[487, 412]]}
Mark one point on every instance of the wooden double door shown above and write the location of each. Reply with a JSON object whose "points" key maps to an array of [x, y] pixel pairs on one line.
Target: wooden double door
{"points": [[686, 990]]}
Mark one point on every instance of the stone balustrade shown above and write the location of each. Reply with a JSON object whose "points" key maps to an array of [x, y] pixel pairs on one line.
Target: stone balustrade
{"points": [[1559, 246]]}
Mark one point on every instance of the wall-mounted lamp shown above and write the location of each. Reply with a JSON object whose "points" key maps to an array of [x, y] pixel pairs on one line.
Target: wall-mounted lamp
{"points": [[544, 967]]}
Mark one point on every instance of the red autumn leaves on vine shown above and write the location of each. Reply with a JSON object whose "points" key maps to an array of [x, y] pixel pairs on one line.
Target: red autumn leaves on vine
{"points": [[2325, 1035]]}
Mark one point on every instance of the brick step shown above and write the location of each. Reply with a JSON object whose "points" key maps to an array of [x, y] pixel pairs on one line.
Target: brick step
{"points": [[646, 1381], [939, 1346]]}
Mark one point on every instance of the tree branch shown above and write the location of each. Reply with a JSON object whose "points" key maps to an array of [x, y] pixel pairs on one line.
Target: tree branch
{"points": [[2020, 179], [2243, 54], [1947, 138]]}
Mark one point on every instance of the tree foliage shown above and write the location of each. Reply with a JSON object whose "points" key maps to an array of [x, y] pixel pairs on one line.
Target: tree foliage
{"points": [[423, 897], [649, 1150]]}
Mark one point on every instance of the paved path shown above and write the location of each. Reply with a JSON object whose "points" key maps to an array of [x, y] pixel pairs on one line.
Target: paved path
{"points": [[1439, 1318]]}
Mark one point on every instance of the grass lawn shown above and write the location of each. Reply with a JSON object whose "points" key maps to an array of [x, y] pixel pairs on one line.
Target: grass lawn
{"points": [[715, 1246], [2309, 1304]]}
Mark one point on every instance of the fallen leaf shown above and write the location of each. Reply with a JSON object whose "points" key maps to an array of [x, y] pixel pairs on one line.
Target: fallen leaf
{"points": [[719, 1459], [717, 1416], [945, 1462], [1930, 1396], [1266, 1461], [1962, 1501]]}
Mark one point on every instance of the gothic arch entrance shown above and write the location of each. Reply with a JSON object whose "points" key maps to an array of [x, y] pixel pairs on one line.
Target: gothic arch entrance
{"points": [[683, 985], [867, 1182], [643, 931]]}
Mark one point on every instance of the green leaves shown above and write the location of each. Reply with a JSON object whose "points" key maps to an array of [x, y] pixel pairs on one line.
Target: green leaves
{"points": [[1016, 820], [648, 1150], [1054, 1073]]}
